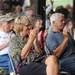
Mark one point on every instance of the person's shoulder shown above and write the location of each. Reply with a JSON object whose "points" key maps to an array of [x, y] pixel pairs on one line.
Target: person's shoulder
{"points": [[51, 33], [14, 38], [51, 37]]}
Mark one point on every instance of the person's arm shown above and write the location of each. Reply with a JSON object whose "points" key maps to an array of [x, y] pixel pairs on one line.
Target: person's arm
{"points": [[60, 49], [37, 46], [2, 46], [29, 44], [3, 43]]}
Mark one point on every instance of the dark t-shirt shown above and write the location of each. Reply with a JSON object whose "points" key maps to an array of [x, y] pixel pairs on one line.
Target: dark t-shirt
{"points": [[54, 39]]}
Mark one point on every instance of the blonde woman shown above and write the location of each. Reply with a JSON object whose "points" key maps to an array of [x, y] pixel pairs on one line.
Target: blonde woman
{"points": [[21, 28]]}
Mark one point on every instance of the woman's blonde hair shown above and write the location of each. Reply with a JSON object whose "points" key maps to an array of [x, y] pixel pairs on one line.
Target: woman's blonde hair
{"points": [[20, 22]]}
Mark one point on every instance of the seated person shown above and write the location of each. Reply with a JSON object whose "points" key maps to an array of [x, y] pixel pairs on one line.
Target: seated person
{"points": [[5, 35], [17, 42], [60, 43]]}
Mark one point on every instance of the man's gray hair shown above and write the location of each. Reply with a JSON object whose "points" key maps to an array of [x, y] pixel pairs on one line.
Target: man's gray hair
{"points": [[55, 16]]}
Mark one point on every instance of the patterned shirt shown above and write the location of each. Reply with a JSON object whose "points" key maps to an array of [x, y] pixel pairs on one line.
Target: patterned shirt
{"points": [[16, 45]]}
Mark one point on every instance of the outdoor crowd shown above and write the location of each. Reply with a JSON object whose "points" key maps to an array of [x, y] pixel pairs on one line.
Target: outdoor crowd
{"points": [[27, 48]]}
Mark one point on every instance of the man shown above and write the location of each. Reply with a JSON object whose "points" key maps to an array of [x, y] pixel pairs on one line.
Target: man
{"points": [[21, 28], [5, 35], [60, 43]]}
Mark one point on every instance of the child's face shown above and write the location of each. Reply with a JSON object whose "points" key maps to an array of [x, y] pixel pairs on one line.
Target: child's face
{"points": [[38, 23]]}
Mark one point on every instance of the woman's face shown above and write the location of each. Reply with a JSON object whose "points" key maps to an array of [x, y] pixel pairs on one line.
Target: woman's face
{"points": [[26, 31]]}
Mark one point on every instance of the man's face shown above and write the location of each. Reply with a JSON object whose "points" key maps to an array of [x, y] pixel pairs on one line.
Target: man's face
{"points": [[29, 12], [6, 26], [60, 23]]}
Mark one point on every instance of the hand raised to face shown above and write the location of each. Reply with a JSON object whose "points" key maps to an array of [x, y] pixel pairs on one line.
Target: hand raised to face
{"points": [[33, 34], [65, 32]]}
